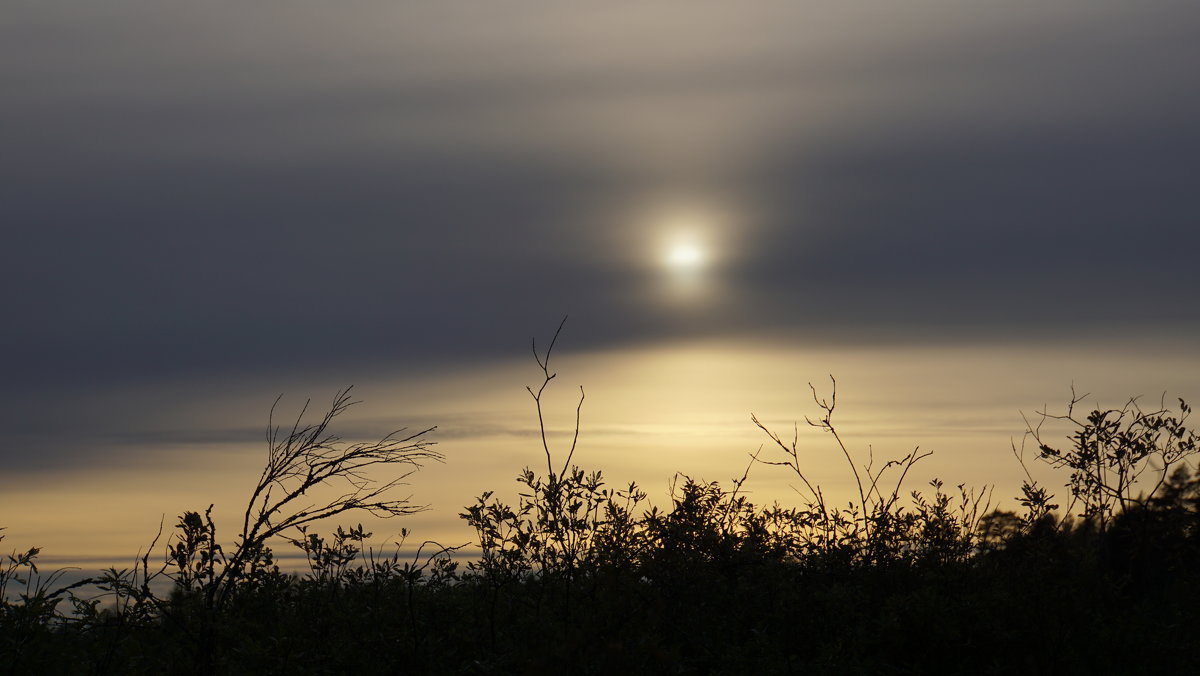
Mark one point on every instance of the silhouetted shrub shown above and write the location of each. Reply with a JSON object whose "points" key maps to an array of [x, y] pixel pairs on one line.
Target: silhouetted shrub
{"points": [[577, 577]]}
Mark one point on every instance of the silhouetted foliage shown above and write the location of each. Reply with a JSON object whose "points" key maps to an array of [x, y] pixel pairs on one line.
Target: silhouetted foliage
{"points": [[575, 577]]}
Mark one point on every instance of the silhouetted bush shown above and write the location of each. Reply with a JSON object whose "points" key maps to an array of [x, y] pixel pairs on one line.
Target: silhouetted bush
{"points": [[575, 577]]}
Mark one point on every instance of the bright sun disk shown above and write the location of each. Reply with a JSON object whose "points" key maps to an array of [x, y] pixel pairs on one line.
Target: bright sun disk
{"points": [[685, 256]]}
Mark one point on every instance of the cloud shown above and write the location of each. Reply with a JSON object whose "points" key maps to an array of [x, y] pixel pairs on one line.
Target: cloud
{"points": [[279, 188]]}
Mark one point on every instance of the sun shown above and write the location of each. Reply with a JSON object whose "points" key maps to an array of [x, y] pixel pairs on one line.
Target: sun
{"points": [[687, 249], [685, 256]]}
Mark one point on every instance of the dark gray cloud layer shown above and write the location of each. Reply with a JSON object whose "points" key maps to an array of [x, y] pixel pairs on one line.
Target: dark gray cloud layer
{"points": [[223, 188]]}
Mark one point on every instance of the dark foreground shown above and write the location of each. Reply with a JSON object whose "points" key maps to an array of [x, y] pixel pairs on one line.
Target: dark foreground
{"points": [[577, 578]]}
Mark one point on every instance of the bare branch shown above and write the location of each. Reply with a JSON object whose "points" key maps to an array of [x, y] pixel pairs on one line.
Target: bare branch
{"points": [[304, 458]]}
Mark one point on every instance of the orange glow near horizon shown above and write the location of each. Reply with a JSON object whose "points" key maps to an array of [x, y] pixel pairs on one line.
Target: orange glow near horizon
{"points": [[649, 413]]}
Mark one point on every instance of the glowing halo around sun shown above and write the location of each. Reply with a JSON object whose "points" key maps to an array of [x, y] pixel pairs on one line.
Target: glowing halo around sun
{"points": [[686, 244]]}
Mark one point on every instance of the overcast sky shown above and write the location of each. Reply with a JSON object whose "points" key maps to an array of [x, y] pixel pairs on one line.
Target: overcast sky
{"points": [[247, 191]]}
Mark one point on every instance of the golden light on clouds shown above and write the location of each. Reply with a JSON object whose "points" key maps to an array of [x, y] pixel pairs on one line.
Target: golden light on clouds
{"points": [[651, 410]]}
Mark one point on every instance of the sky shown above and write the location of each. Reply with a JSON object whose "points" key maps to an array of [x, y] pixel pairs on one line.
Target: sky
{"points": [[958, 209]]}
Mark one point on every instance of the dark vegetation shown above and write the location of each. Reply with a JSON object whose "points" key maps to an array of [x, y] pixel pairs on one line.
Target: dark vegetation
{"points": [[577, 577]]}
